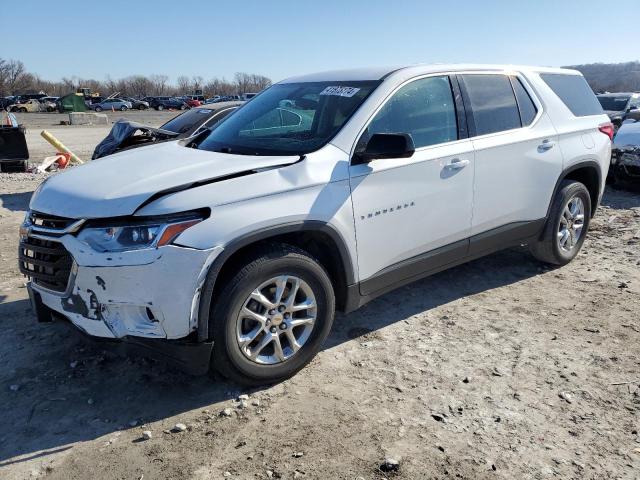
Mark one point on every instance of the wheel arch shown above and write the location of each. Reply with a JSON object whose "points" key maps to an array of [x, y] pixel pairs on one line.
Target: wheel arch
{"points": [[318, 238], [588, 173]]}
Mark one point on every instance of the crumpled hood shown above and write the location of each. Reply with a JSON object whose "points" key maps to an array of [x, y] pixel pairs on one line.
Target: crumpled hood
{"points": [[118, 185], [614, 113]]}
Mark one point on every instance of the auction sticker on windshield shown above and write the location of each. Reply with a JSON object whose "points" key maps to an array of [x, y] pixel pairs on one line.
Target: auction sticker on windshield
{"points": [[340, 91]]}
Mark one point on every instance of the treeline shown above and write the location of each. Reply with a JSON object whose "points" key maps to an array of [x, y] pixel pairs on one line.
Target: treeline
{"points": [[611, 77], [16, 80]]}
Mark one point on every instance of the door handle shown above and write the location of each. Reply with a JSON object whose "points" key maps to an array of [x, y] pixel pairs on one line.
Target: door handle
{"points": [[546, 145], [457, 164]]}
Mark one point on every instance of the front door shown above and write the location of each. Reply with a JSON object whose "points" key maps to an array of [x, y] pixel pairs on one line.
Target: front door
{"points": [[413, 214]]}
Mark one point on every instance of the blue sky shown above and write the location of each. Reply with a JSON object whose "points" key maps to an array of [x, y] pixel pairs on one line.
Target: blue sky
{"points": [[280, 38]]}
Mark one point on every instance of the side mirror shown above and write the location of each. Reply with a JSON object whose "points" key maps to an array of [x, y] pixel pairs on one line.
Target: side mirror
{"points": [[385, 145]]}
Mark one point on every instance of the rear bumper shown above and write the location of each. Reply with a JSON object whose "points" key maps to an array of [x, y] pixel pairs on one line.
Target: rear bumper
{"points": [[190, 356]]}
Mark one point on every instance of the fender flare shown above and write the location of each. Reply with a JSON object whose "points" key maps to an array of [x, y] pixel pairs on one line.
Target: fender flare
{"points": [[572, 168], [206, 294]]}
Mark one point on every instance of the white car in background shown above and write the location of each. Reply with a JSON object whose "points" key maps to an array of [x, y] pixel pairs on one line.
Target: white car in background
{"points": [[234, 249]]}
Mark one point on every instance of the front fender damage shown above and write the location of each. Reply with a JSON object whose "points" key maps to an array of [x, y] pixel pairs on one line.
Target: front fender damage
{"points": [[152, 300]]}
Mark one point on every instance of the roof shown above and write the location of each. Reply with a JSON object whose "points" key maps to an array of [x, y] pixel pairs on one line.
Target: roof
{"points": [[378, 73]]}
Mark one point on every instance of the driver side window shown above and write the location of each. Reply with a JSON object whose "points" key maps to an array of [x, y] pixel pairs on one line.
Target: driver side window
{"points": [[424, 109]]}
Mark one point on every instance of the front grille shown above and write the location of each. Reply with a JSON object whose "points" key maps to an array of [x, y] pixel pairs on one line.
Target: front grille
{"points": [[49, 221], [46, 262]]}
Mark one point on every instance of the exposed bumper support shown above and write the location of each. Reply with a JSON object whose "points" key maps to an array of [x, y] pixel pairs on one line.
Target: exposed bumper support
{"points": [[190, 356]]}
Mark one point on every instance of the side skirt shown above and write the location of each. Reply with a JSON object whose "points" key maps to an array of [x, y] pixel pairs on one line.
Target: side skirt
{"points": [[443, 258]]}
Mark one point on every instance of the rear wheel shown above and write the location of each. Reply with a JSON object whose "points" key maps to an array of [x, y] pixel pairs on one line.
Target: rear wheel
{"points": [[160, 107], [182, 107], [567, 225], [22, 110], [276, 312], [142, 107]]}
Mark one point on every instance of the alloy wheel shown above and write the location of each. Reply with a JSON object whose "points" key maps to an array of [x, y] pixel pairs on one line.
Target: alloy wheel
{"points": [[571, 224], [276, 320]]}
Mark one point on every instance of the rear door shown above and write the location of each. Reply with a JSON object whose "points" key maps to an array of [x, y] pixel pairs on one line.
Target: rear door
{"points": [[517, 157], [414, 214]]}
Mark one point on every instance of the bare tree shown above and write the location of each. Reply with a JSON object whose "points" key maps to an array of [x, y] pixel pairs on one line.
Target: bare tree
{"points": [[183, 84], [14, 79], [196, 83], [159, 84]]}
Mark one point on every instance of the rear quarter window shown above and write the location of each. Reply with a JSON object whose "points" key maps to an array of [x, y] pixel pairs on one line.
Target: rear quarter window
{"points": [[575, 93], [493, 103]]}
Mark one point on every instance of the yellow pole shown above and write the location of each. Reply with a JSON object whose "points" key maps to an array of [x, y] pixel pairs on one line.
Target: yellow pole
{"points": [[60, 146]]}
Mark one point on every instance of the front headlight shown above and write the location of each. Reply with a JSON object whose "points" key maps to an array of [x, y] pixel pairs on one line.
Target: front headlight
{"points": [[133, 237]]}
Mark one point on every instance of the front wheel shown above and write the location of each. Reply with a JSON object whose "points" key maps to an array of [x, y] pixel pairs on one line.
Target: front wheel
{"points": [[566, 226], [98, 109], [272, 317], [160, 108], [123, 108], [142, 107]]}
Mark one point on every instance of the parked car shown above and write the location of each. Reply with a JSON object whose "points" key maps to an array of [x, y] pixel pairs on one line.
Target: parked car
{"points": [[29, 96], [137, 104], [213, 99], [161, 103], [93, 100], [32, 105], [620, 106], [112, 104], [49, 99], [49, 104], [199, 98], [625, 156], [248, 96], [233, 249], [6, 102], [125, 135], [191, 102]]}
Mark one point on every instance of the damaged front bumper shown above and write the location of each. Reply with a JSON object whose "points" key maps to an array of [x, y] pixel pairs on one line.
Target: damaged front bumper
{"points": [[147, 298]]}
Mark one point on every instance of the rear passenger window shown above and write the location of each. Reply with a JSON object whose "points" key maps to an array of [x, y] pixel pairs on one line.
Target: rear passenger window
{"points": [[423, 108], [525, 104], [575, 93], [493, 104]]}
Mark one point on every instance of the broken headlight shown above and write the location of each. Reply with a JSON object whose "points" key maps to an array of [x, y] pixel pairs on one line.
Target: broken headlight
{"points": [[133, 237]]}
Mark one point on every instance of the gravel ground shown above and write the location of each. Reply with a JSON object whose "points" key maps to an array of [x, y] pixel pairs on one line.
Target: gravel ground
{"points": [[498, 369]]}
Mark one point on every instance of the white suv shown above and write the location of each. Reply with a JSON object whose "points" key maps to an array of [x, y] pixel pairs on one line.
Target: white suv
{"points": [[234, 248]]}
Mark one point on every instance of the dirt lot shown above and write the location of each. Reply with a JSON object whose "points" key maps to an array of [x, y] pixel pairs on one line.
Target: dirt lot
{"points": [[501, 368], [80, 139]]}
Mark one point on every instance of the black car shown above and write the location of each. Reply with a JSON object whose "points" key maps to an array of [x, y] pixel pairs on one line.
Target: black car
{"points": [[620, 106], [126, 135], [625, 154], [161, 103]]}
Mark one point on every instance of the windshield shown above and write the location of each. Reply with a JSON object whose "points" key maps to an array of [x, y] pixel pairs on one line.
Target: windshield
{"points": [[616, 104], [289, 119], [188, 120]]}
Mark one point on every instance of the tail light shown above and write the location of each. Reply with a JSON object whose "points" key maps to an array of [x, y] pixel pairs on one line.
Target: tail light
{"points": [[607, 129]]}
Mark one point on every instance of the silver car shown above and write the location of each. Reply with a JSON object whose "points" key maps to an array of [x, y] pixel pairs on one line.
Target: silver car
{"points": [[112, 104]]}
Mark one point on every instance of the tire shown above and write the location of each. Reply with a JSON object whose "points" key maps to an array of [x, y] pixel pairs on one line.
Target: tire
{"points": [[142, 107], [549, 248], [123, 108], [98, 109], [160, 108], [22, 110], [182, 107], [269, 366]]}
